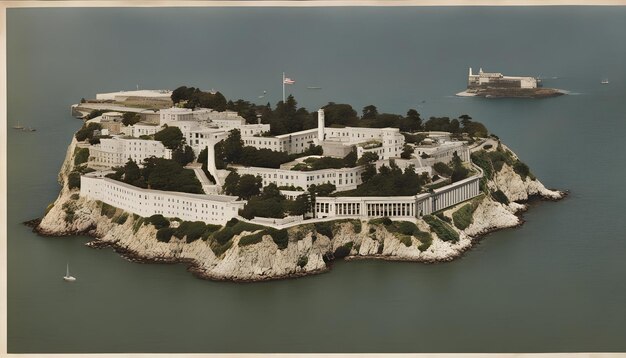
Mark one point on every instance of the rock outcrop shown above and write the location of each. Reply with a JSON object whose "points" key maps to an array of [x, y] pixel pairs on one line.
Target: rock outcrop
{"points": [[308, 251]]}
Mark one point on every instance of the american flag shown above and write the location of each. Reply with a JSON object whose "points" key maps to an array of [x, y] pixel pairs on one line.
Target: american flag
{"points": [[288, 81]]}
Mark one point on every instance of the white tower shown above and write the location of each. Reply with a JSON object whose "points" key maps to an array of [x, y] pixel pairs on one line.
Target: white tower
{"points": [[320, 125], [470, 72]]}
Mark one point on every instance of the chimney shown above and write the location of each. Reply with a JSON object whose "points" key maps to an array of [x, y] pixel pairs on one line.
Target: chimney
{"points": [[320, 125]]}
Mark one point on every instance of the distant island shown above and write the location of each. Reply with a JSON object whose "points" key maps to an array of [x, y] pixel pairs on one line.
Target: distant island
{"points": [[247, 192], [497, 85]]}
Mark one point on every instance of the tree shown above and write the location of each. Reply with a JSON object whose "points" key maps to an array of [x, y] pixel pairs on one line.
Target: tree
{"points": [[369, 112], [407, 152], [183, 156], [342, 114], [249, 186], [350, 159], [415, 121], [130, 118], [171, 137], [232, 147], [131, 172], [230, 183], [324, 189], [301, 205], [182, 93], [367, 157], [86, 132]]}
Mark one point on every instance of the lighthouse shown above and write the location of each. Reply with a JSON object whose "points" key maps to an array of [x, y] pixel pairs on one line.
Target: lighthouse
{"points": [[320, 125]]}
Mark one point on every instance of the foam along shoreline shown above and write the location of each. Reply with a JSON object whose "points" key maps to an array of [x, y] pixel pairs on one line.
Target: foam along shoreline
{"points": [[514, 93]]}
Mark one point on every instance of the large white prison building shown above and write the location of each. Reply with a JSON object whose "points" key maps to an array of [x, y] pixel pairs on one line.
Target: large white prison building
{"points": [[211, 209], [113, 152], [499, 80], [343, 179], [398, 206]]}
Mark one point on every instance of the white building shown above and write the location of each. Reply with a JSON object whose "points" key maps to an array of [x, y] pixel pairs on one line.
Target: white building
{"points": [[139, 129], [113, 152], [343, 179], [497, 79], [211, 209]]}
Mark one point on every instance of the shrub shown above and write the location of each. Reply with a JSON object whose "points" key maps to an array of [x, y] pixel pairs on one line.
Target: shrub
{"points": [[164, 234], [344, 250], [73, 180], [74, 196], [107, 210], [158, 221], [500, 197], [252, 239], [406, 227], [521, 169], [81, 155], [192, 230], [442, 169], [443, 230], [405, 239], [487, 146], [463, 216], [303, 260], [425, 241], [443, 217], [121, 219], [381, 247], [219, 249], [280, 237], [138, 223], [325, 228]]}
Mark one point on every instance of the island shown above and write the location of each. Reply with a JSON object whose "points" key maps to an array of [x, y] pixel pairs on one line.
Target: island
{"points": [[246, 192], [497, 85]]}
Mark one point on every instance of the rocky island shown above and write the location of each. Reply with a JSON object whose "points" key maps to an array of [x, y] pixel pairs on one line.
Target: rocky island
{"points": [[497, 85], [241, 192]]}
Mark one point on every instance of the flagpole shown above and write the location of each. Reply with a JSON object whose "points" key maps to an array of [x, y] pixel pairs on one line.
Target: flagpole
{"points": [[283, 87]]}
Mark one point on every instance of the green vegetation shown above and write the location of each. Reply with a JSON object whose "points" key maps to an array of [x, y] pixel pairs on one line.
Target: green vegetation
{"points": [[407, 152], [73, 180], [463, 217], [194, 230], [159, 174], [414, 138], [244, 186], [343, 250], [302, 261], [465, 125], [158, 221], [500, 197], [442, 229], [130, 118], [120, 220], [194, 97], [137, 223], [171, 137], [389, 181], [165, 234], [442, 169], [183, 155], [86, 131], [81, 155], [107, 210], [403, 230], [252, 239]]}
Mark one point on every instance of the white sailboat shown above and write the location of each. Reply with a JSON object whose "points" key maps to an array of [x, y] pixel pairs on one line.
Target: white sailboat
{"points": [[67, 276], [18, 126]]}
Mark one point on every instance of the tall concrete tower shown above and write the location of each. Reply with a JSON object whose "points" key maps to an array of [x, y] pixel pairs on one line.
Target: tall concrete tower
{"points": [[320, 125], [470, 72]]}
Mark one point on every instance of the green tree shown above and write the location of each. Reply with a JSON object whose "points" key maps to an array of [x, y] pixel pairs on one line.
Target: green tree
{"points": [[301, 205], [367, 158], [183, 156], [407, 152], [230, 183], [171, 137], [249, 186], [369, 112], [350, 159], [131, 172], [130, 118]]}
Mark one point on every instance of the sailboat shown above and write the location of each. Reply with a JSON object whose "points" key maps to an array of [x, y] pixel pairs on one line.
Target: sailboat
{"points": [[605, 81], [67, 276], [17, 126]]}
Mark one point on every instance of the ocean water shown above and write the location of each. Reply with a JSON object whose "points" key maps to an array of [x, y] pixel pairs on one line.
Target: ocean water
{"points": [[555, 284]]}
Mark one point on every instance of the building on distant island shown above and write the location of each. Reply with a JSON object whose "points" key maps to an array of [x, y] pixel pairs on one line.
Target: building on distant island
{"points": [[496, 79], [497, 85]]}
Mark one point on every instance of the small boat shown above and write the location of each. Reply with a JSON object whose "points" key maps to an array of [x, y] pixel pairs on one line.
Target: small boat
{"points": [[29, 129], [605, 81], [67, 276], [17, 126], [314, 87]]}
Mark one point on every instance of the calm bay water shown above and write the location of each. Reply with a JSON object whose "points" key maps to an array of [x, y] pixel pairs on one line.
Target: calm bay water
{"points": [[555, 284]]}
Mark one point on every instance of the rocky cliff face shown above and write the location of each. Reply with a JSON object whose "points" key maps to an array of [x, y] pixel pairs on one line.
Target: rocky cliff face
{"points": [[307, 252]]}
